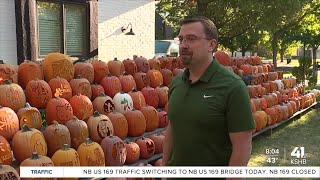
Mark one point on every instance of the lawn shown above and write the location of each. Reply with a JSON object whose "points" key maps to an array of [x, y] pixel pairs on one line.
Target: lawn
{"points": [[303, 132]]}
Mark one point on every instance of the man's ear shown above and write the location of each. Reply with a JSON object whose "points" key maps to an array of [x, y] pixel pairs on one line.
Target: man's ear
{"points": [[213, 45]]}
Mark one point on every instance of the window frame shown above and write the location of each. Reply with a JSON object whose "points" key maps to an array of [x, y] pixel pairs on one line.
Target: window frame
{"points": [[63, 29]]}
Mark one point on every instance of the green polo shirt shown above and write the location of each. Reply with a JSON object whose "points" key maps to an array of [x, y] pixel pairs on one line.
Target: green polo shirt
{"points": [[202, 115]]}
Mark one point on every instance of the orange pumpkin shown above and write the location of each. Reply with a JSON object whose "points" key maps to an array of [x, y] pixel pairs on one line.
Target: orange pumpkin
{"points": [[152, 118], [273, 113], [151, 96], [142, 80], [96, 90], [8, 173], [5, 155], [85, 70], [100, 70], [163, 93], [38, 93], [78, 131], [58, 109], [163, 118], [8, 71], [103, 104], [114, 151], [133, 152], [130, 66], [57, 64], [156, 78], [28, 71], [56, 136], [60, 87], [99, 126], [147, 147], [9, 121], [111, 85], [142, 64], [167, 76], [158, 162], [137, 98], [127, 82], [158, 140], [223, 58], [116, 67], [30, 116], [82, 86], [12, 96], [165, 62], [120, 124], [66, 157], [136, 122], [154, 64], [82, 107], [33, 140], [177, 71], [91, 154]]}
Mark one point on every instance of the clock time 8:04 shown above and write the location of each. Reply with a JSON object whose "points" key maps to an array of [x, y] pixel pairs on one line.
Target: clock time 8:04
{"points": [[272, 151]]}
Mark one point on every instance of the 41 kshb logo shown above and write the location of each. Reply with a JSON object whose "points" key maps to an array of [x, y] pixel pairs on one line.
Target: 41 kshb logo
{"points": [[298, 153]]}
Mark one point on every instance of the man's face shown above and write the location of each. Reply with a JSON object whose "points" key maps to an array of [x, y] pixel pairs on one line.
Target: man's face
{"points": [[194, 45]]}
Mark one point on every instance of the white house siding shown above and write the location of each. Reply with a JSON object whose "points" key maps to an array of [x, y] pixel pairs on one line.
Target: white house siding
{"points": [[114, 14], [8, 46]]}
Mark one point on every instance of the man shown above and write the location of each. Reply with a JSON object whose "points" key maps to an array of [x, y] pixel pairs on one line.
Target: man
{"points": [[210, 115]]}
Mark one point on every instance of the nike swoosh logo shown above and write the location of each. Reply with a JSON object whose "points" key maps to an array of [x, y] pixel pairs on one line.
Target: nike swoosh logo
{"points": [[205, 96]]}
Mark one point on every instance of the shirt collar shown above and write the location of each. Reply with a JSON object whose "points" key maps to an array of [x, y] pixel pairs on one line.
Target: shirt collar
{"points": [[212, 68]]}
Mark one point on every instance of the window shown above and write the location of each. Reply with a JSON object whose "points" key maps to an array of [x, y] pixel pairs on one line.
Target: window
{"points": [[62, 27]]}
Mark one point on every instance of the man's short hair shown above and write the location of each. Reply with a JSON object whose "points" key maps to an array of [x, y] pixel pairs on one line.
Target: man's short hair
{"points": [[210, 28]]}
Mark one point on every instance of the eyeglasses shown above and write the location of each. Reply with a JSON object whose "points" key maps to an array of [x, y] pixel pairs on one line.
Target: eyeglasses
{"points": [[190, 39]]}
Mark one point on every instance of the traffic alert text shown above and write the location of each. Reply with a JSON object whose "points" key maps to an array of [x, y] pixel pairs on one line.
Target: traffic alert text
{"points": [[179, 171]]}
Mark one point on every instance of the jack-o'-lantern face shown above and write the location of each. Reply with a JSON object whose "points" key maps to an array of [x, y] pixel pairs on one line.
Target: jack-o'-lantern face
{"points": [[108, 106], [118, 151], [64, 112], [103, 128], [150, 146], [38, 143]]}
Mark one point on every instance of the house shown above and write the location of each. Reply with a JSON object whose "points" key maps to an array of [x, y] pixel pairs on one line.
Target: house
{"points": [[30, 29]]}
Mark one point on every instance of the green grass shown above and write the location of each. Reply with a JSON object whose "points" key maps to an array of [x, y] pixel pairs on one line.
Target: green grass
{"points": [[301, 132]]}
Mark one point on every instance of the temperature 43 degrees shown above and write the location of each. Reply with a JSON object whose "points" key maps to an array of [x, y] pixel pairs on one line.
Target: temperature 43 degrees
{"points": [[272, 155]]}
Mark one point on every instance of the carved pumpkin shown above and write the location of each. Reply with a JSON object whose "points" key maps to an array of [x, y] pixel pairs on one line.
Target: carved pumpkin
{"points": [[8, 71], [28, 71], [114, 151], [130, 66], [9, 123], [33, 140], [60, 87], [162, 92], [78, 131], [163, 118], [38, 93], [156, 78], [119, 123], [158, 142], [147, 147], [56, 136], [66, 157], [58, 109], [151, 96], [273, 113], [167, 76], [57, 64], [127, 82], [30, 116], [99, 126], [261, 119], [223, 58], [142, 80], [37, 160], [100, 70], [8, 173], [122, 102], [111, 85], [82, 86], [165, 63], [136, 122], [103, 104], [137, 98], [91, 154], [5, 149], [96, 89], [12, 96], [85, 70], [116, 67], [133, 152], [142, 64], [154, 64], [177, 71], [152, 118], [82, 107]]}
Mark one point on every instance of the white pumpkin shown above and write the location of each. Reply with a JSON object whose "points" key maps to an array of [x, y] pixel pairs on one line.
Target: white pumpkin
{"points": [[122, 102], [316, 92], [279, 84]]}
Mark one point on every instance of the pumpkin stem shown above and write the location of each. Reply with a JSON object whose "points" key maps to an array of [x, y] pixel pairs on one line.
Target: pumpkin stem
{"points": [[102, 94], [27, 105], [7, 82], [55, 123], [125, 73], [134, 89], [35, 155], [88, 141], [74, 118], [25, 128], [65, 147], [96, 114], [115, 59], [79, 76]]}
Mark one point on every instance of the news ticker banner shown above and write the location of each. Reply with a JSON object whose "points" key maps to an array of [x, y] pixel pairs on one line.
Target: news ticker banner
{"points": [[173, 172]]}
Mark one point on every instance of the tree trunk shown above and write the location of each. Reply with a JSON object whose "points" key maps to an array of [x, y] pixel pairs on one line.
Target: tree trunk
{"points": [[282, 54], [243, 52], [314, 57], [274, 43]]}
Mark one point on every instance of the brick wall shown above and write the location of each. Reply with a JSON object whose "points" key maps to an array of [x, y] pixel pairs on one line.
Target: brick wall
{"points": [[8, 46], [113, 14]]}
